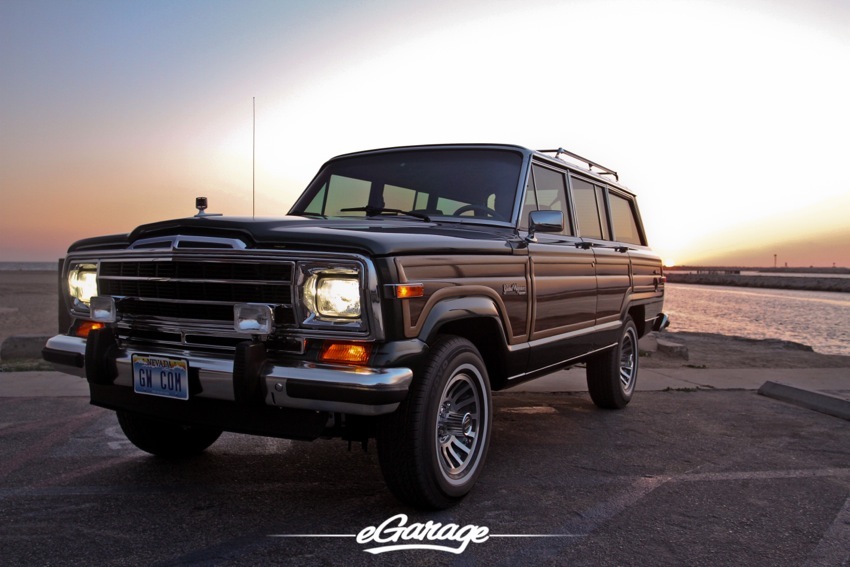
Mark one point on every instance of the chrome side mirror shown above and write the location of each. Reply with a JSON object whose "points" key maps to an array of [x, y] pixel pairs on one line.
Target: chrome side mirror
{"points": [[544, 221]]}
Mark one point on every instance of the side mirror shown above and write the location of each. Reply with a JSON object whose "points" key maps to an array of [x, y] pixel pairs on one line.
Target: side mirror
{"points": [[544, 221]]}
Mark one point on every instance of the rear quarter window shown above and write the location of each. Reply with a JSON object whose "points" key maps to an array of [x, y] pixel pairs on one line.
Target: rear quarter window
{"points": [[624, 219]]}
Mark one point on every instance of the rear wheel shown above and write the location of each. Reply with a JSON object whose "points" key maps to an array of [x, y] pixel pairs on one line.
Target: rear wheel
{"points": [[165, 439], [432, 449], [612, 375]]}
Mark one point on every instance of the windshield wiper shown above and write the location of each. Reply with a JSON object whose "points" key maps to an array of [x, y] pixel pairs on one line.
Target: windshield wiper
{"points": [[375, 211]]}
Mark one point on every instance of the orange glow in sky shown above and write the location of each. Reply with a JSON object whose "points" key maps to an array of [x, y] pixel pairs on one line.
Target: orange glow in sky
{"points": [[728, 118]]}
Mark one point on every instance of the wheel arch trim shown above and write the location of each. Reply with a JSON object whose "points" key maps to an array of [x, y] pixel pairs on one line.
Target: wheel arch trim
{"points": [[459, 308]]}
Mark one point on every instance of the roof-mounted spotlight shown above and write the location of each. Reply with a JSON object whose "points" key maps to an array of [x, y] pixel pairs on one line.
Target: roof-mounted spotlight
{"points": [[201, 205]]}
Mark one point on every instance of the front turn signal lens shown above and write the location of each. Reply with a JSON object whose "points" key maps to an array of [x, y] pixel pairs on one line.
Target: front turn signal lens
{"points": [[82, 328], [349, 353], [406, 291]]}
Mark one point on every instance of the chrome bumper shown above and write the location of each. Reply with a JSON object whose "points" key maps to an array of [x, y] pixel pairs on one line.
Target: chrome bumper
{"points": [[296, 384]]}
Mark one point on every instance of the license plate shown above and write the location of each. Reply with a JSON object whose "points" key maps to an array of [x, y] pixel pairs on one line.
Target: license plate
{"points": [[157, 376]]}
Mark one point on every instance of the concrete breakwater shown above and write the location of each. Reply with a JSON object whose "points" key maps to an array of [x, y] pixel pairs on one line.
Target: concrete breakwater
{"points": [[762, 281]]}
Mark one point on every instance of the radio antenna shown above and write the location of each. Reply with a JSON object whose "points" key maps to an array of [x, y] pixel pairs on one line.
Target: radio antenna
{"points": [[254, 159]]}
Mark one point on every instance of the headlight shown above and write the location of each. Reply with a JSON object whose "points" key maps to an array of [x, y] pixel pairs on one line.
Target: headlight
{"points": [[82, 284], [331, 296]]}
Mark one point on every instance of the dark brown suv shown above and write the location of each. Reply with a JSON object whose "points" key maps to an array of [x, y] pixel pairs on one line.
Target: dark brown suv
{"points": [[405, 285]]}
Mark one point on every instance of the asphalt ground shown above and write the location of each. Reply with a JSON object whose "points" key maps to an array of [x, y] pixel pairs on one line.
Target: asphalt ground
{"points": [[682, 476]]}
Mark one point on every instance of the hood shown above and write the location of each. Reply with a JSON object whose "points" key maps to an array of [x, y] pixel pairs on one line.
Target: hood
{"points": [[374, 236]]}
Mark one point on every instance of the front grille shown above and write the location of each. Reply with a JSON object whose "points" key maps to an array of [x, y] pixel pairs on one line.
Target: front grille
{"points": [[198, 270], [168, 301]]}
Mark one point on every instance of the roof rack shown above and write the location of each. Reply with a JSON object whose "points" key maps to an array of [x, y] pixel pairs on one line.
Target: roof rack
{"points": [[590, 164]]}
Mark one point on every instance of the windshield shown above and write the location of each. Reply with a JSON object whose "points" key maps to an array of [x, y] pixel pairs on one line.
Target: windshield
{"points": [[461, 183]]}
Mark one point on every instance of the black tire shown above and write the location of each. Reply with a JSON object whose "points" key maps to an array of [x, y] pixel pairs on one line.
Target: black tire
{"points": [[165, 439], [433, 448], [612, 375]]}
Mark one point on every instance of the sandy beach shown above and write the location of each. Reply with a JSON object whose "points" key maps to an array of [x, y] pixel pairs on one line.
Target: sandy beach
{"points": [[28, 306], [28, 303]]}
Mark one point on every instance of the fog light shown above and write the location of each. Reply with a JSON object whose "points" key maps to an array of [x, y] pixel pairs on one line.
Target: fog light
{"points": [[253, 318], [103, 309]]}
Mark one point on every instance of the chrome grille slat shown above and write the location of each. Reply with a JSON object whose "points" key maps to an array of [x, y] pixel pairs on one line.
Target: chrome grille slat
{"points": [[167, 289], [161, 279], [161, 300]]}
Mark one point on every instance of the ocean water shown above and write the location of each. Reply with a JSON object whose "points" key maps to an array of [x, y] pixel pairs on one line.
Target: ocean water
{"points": [[819, 319], [28, 266]]}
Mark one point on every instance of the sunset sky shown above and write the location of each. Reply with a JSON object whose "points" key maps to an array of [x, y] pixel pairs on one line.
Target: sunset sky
{"points": [[729, 118]]}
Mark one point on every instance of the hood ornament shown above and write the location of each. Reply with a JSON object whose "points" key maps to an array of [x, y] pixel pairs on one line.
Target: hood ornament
{"points": [[201, 205]]}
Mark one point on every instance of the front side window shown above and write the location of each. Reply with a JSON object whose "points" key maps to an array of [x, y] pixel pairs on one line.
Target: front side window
{"points": [[551, 190], [459, 184]]}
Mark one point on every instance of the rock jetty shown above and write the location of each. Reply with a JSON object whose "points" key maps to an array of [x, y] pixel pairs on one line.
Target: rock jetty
{"points": [[808, 283]]}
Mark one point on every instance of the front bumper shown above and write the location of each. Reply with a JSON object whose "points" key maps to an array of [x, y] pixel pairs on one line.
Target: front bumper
{"points": [[247, 379]]}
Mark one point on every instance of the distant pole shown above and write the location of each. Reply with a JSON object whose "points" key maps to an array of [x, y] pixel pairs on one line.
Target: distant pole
{"points": [[774, 260], [254, 157]]}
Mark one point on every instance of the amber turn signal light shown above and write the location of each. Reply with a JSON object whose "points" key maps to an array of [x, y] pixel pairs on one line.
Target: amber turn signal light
{"points": [[350, 353], [83, 328], [406, 291]]}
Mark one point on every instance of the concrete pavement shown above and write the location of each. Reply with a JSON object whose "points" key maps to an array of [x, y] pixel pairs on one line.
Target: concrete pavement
{"points": [[41, 384], [826, 390], [834, 381], [707, 477]]}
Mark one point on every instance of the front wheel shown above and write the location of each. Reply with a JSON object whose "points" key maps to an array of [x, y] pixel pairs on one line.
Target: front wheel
{"points": [[612, 375], [432, 449], [165, 439]]}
